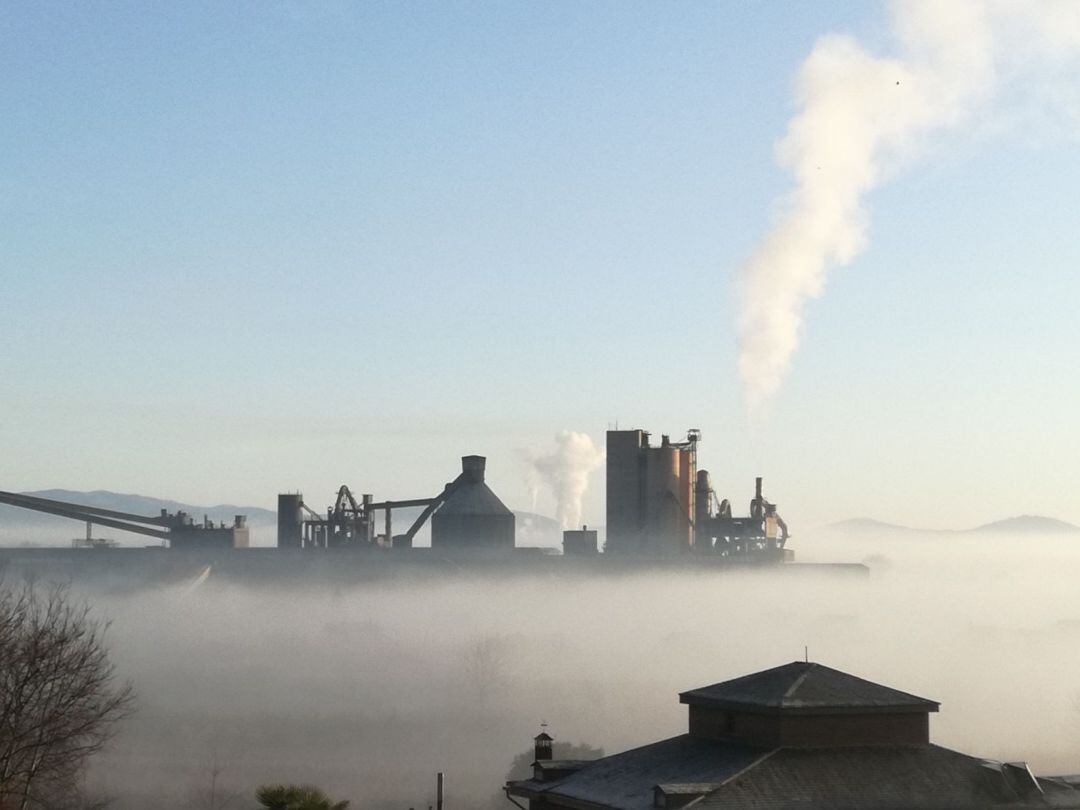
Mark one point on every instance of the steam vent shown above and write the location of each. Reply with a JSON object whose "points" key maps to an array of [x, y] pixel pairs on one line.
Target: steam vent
{"points": [[472, 515]]}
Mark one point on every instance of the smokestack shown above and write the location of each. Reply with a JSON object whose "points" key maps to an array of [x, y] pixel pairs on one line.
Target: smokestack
{"points": [[473, 467], [439, 777], [757, 488]]}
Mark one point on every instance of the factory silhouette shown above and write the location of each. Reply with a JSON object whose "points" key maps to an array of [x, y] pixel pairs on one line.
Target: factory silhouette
{"points": [[658, 504]]}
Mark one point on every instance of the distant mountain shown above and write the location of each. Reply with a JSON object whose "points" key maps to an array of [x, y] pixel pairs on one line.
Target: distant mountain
{"points": [[855, 525], [135, 504], [1023, 524], [1028, 524]]}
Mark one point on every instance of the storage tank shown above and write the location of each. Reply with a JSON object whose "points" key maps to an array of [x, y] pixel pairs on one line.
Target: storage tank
{"points": [[290, 520], [667, 518], [472, 516]]}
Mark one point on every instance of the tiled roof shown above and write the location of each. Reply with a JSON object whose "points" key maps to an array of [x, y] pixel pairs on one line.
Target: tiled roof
{"points": [[805, 687], [879, 778], [915, 777], [628, 780]]}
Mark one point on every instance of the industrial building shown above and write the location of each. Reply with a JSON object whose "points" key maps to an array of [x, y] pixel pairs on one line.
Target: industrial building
{"points": [[471, 515], [659, 502], [465, 515], [178, 530], [650, 492], [800, 735], [580, 541]]}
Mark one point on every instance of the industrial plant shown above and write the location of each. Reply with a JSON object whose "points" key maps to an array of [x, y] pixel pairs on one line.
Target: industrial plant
{"points": [[658, 504], [179, 530], [658, 501]]}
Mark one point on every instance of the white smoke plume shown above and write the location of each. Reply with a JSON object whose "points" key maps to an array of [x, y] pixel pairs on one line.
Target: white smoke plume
{"points": [[861, 118], [565, 470]]}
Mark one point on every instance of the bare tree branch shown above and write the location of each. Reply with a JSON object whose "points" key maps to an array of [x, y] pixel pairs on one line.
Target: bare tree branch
{"points": [[60, 699]]}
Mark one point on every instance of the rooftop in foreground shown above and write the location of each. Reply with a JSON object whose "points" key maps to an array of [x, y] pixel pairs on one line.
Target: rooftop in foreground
{"points": [[805, 687], [801, 735]]}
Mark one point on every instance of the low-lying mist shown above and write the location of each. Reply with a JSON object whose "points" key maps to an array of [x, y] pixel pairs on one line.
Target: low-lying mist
{"points": [[368, 691]]}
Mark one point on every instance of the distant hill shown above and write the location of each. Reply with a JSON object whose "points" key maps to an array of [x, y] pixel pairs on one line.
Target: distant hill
{"points": [[869, 525], [1028, 524], [136, 504], [1022, 524]]}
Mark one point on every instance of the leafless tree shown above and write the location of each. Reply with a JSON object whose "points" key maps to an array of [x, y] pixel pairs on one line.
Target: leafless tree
{"points": [[486, 659], [59, 695], [213, 794]]}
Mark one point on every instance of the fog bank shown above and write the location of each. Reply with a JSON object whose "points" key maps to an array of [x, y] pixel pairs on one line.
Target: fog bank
{"points": [[369, 690]]}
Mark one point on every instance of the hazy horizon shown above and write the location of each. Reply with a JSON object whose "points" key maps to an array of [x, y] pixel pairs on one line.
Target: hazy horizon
{"points": [[283, 249]]}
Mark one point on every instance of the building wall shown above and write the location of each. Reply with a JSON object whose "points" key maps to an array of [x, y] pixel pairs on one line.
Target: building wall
{"points": [[290, 520], [625, 490], [201, 538], [579, 541], [718, 724], [903, 728], [472, 531], [808, 730]]}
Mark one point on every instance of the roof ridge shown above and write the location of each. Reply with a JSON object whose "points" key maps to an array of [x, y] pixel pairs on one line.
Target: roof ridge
{"points": [[752, 765], [720, 785], [797, 682]]}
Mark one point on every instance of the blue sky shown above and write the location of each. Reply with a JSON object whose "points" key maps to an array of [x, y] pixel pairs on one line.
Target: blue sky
{"points": [[255, 247]]}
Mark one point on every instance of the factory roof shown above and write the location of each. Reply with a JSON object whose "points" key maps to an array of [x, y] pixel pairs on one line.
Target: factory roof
{"points": [[805, 687], [473, 498], [719, 774]]}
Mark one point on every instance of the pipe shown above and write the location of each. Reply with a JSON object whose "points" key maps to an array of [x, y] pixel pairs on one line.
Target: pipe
{"points": [[77, 513], [41, 504], [433, 504]]}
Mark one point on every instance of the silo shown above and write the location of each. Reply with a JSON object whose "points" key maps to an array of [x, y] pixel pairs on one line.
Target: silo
{"points": [[651, 498], [290, 520], [663, 507], [472, 516]]}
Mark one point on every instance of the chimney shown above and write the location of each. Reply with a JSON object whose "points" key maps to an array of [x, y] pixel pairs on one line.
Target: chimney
{"points": [[542, 746], [473, 467]]}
